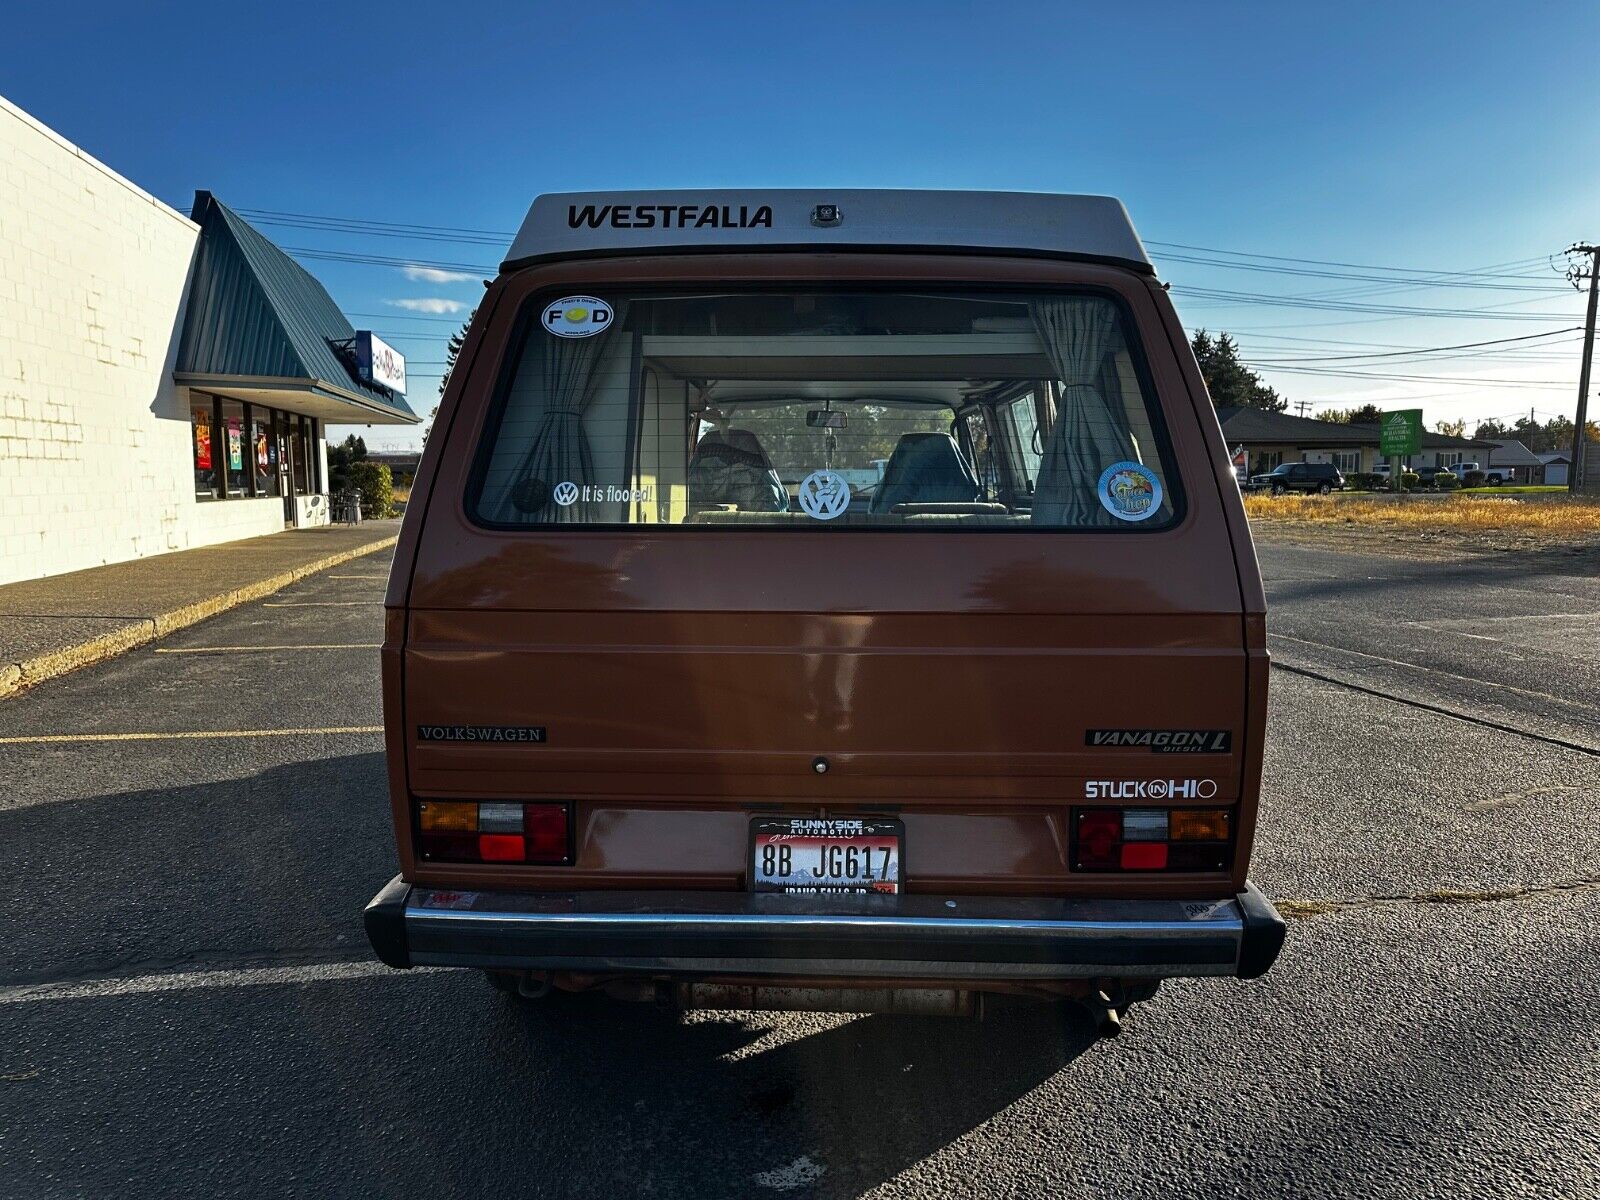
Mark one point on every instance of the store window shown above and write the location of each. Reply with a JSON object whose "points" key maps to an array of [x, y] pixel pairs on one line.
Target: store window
{"points": [[1347, 461], [263, 448], [230, 449], [203, 441]]}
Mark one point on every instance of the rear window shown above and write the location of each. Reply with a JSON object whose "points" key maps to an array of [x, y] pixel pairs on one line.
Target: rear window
{"points": [[826, 410]]}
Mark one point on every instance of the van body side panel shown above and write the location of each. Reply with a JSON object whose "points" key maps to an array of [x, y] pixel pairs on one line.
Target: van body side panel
{"points": [[689, 677]]}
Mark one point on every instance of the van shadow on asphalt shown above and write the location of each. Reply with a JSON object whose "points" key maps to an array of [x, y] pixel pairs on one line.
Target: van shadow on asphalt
{"points": [[694, 1106]]}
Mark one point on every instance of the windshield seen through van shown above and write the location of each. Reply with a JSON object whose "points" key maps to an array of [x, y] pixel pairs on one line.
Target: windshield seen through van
{"points": [[836, 410]]}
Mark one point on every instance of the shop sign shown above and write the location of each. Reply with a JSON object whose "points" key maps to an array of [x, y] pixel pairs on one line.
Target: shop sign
{"points": [[380, 363], [1400, 432], [235, 447]]}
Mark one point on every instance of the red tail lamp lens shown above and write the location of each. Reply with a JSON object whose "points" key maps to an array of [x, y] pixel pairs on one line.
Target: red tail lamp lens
{"points": [[1144, 856], [1099, 834], [544, 827], [501, 847]]}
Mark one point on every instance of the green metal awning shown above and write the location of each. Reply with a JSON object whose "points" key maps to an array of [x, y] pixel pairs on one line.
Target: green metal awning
{"points": [[259, 327]]}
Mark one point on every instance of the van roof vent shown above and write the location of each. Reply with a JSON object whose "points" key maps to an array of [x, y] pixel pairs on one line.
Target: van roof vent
{"points": [[572, 224]]}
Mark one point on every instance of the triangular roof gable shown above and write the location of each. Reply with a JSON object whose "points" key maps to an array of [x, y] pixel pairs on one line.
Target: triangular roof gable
{"points": [[255, 312]]}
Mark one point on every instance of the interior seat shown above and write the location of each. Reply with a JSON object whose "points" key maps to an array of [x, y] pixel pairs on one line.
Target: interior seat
{"points": [[925, 468], [731, 467]]}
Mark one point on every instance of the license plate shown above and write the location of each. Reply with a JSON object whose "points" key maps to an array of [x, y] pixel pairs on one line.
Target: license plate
{"points": [[809, 856]]}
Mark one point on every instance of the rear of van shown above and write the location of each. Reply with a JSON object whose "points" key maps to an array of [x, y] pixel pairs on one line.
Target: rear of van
{"points": [[826, 600]]}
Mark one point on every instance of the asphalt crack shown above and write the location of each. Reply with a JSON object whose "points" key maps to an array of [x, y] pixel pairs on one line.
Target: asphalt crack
{"points": [[1304, 909]]}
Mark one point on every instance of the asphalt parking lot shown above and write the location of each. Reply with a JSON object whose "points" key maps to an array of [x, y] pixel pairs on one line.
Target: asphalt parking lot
{"points": [[188, 1006]]}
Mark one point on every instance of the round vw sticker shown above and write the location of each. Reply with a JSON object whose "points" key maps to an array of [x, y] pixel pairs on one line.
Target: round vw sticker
{"points": [[824, 495], [565, 493], [577, 316], [1130, 491]]}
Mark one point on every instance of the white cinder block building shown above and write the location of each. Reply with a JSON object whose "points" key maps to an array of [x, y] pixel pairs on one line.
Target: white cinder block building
{"points": [[164, 380]]}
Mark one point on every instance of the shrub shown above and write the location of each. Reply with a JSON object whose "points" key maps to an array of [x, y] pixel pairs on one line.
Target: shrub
{"points": [[1474, 479], [1409, 480], [1364, 481], [376, 485], [1446, 481]]}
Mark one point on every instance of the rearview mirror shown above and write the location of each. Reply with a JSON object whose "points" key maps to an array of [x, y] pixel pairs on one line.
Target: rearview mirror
{"points": [[822, 418]]}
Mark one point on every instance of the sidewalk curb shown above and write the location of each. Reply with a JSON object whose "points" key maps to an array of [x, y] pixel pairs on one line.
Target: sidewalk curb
{"points": [[17, 677]]}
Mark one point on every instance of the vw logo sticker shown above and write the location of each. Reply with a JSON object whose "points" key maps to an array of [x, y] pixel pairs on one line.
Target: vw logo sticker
{"points": [[824, 495], [577, 316], [565, 493]]}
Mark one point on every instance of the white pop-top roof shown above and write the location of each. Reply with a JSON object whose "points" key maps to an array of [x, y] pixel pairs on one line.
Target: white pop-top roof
{"points": [[582, 223]]}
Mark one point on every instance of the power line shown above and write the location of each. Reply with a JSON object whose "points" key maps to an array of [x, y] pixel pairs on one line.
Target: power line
{"points": [[1435, 349], [1356, 266]]}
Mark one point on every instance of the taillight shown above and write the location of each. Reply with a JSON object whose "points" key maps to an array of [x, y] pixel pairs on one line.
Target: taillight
{"points": [[493, 831], [1151, 839]]}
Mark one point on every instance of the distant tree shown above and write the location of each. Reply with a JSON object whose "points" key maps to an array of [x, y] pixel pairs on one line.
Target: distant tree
{"points": [[1490, 429], [1229, 381], [1366, 414], [341, 458], [1451, 428], [458, 339]]}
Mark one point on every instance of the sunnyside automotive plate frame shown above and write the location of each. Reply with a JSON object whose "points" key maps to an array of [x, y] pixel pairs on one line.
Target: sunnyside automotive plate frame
{"points": [[857, 855]]}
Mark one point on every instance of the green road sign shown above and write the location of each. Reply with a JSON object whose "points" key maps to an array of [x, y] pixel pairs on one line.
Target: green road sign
{"points": [[1400, 432]]}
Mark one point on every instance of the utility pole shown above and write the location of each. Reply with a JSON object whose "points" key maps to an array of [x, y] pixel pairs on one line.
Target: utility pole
{"points": [[1575, 476]]}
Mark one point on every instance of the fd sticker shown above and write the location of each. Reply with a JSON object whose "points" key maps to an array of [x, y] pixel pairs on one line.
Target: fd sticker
{"points": [[1130, 491], [824, 495], [577, 316]]}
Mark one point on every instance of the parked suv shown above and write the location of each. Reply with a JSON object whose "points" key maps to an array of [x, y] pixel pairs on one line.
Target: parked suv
{"points": [[1301, 477]]}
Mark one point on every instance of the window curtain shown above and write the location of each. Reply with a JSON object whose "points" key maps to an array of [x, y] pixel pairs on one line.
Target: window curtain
{"points": [[559, 453], [1091, 429]]}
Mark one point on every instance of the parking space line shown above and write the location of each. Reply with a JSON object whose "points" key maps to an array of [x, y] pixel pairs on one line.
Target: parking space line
{"points": [[320, 604], [1411, 666], [42, 739], [356, 577], [259, 649], [181, 981]]}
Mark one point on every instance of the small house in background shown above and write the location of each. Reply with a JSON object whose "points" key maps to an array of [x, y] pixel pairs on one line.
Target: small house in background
{"points": [[1518, 464], [1554, 466]]}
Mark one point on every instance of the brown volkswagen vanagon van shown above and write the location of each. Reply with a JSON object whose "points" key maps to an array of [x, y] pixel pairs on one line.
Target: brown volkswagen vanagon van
{"points": [[826, 599]]}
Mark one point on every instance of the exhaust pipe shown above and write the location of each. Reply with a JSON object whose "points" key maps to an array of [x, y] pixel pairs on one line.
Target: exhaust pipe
{"points": [[905, 1002], [1107, 1021]]}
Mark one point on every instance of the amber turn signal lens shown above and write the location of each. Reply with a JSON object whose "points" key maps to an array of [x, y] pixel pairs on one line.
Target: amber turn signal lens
{"points": [[1198, 825], [443, 816]]}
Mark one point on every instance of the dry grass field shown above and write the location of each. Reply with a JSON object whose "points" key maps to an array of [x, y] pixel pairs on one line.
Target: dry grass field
{"points": [[1556, 516]]}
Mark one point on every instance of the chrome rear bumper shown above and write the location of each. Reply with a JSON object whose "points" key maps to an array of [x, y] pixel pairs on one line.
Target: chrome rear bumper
{"points": [[709, 934]]}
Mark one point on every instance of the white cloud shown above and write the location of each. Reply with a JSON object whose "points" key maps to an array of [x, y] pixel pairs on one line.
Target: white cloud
{"points": [[429, 304], [434, 275]]}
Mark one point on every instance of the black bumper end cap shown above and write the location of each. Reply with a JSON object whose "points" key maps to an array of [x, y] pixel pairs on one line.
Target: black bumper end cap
{"points": [[1263, 933], [385, 919]]}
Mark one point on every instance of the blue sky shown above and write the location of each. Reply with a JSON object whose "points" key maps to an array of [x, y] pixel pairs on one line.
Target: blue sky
{"points": [[1442, 137]]}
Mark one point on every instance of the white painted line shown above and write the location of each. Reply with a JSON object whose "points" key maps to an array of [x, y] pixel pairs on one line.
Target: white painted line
{"points": [[262, 649], [1485, 688], [40, 739], [183, 981], [1455, 632], [320, 604]]}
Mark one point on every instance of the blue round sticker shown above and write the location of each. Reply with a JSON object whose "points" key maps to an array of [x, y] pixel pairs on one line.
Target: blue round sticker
{"points": [[1130, 491]]}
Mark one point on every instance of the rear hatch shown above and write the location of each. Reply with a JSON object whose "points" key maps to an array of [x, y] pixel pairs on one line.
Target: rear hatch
{"points": [[651, 573]]}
